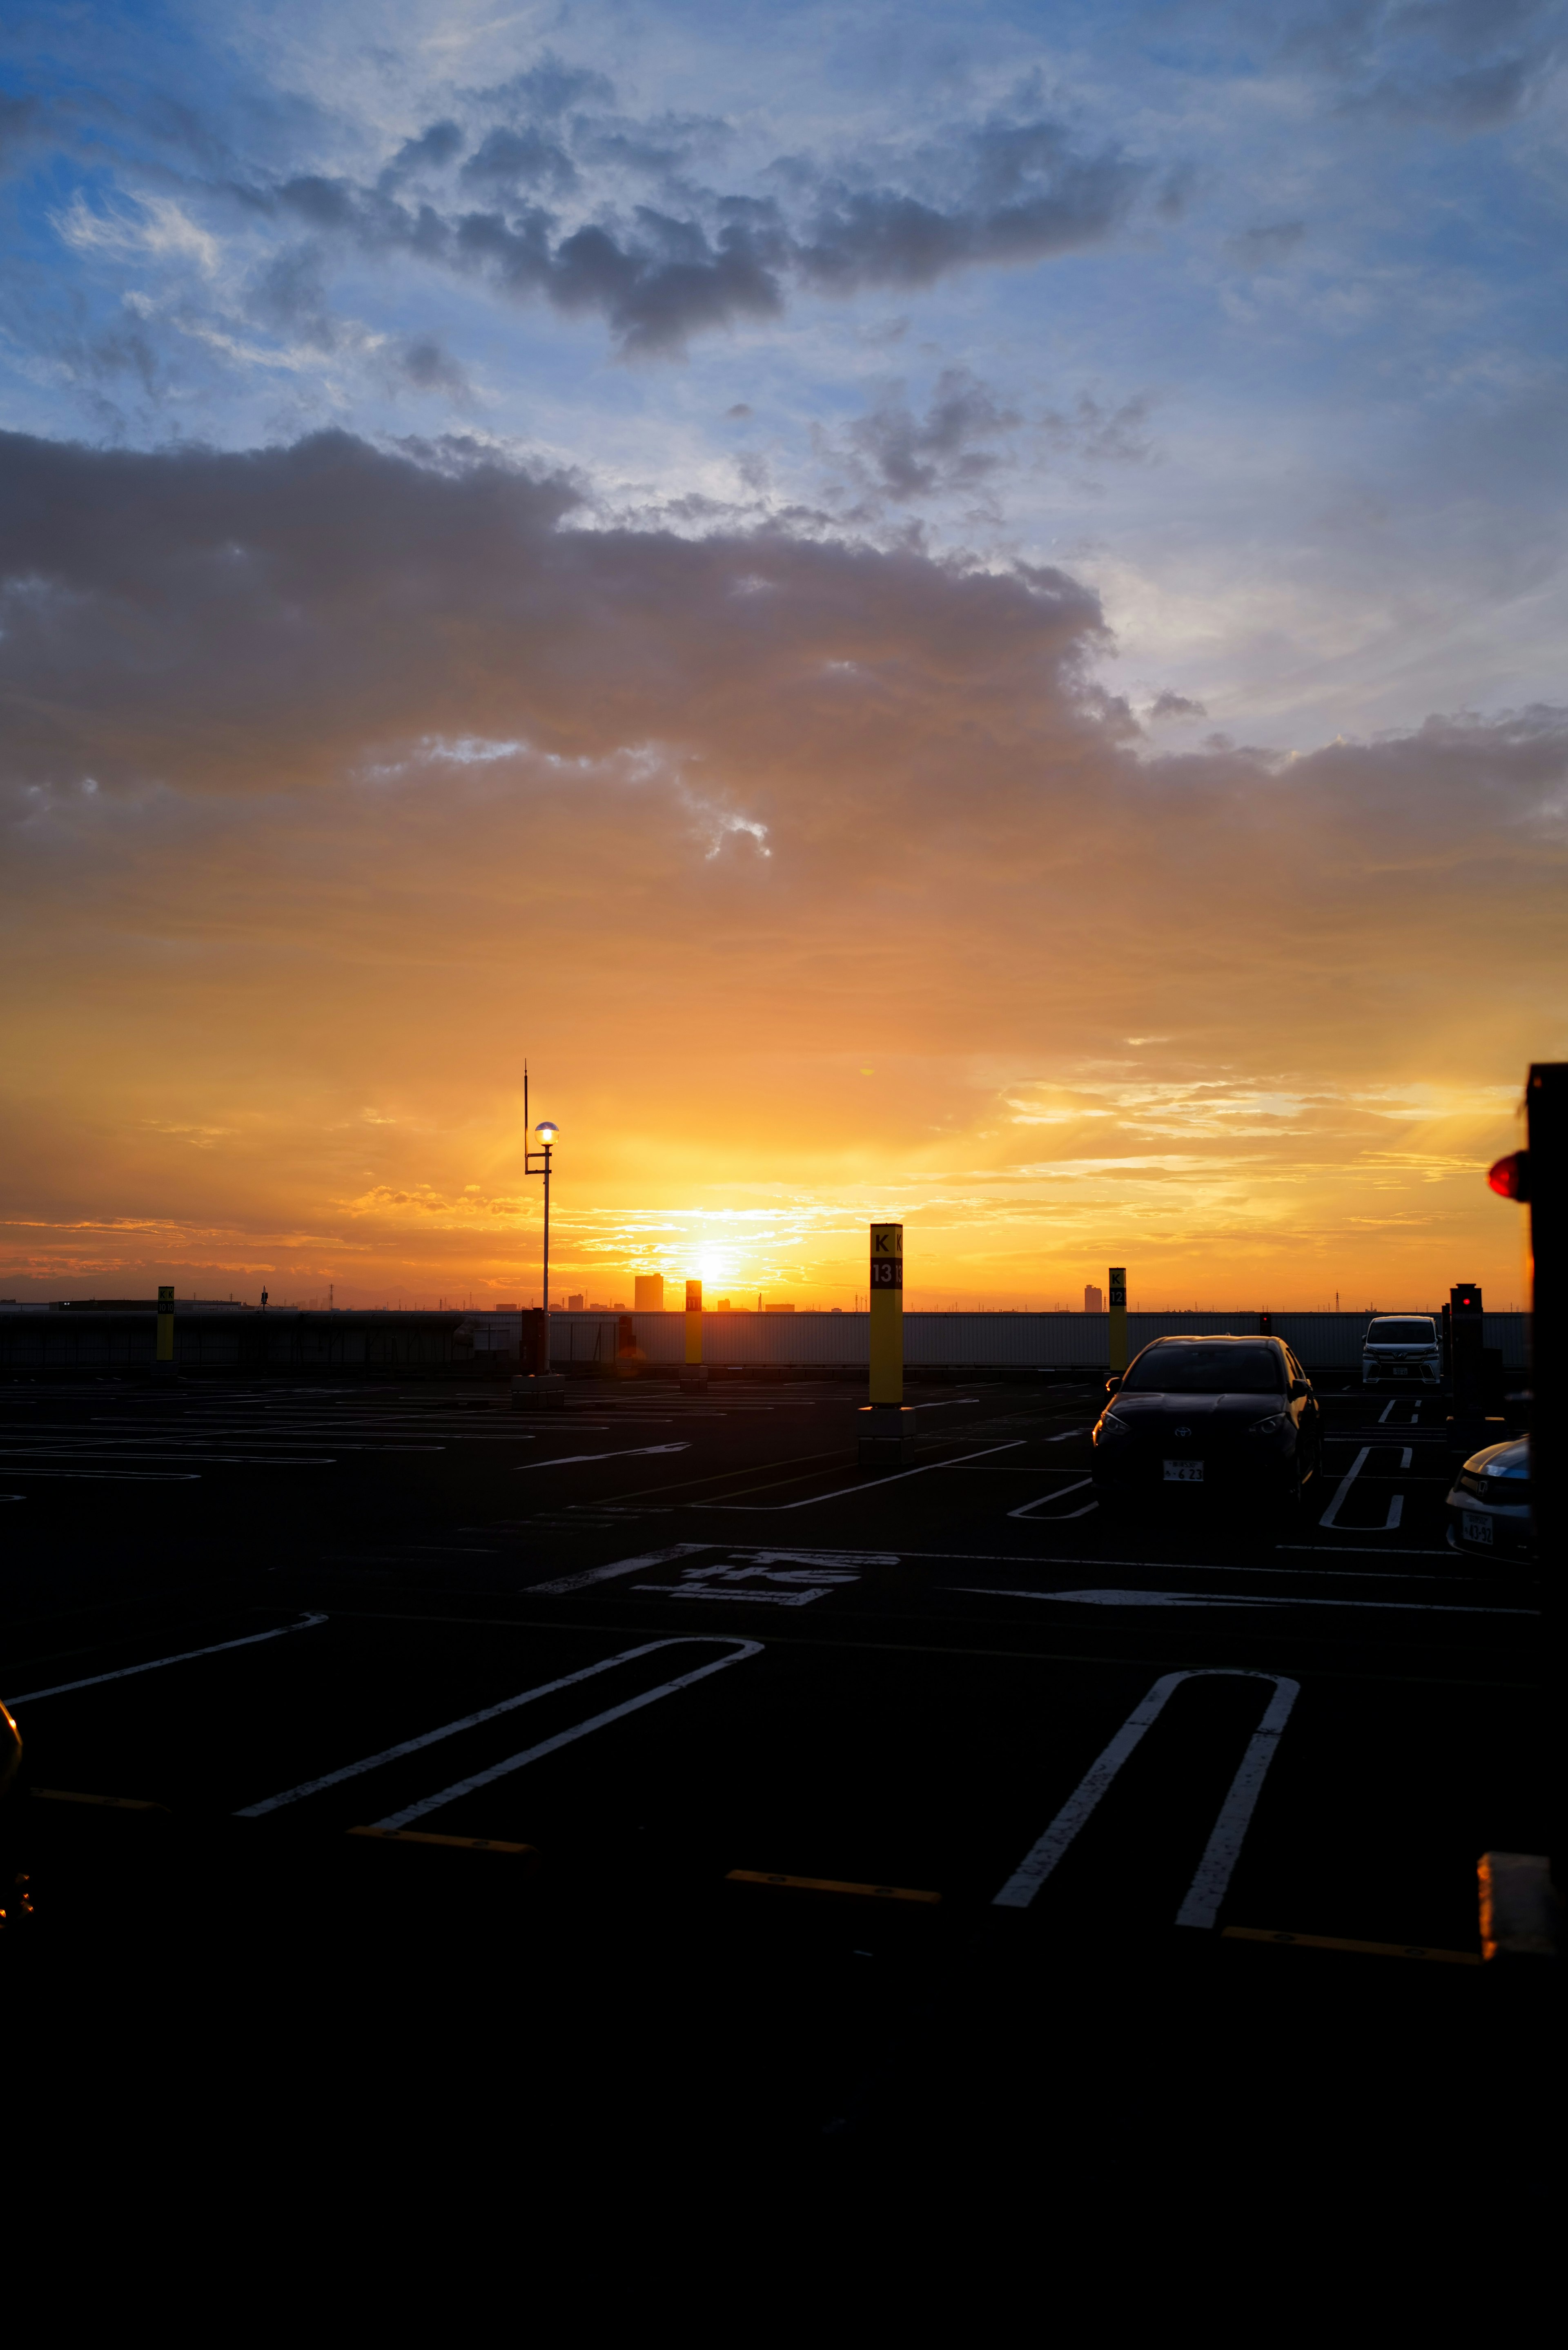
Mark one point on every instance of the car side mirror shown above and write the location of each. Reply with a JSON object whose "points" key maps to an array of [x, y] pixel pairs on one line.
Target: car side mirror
{"points": [[1111, 1386], [1299, 1388]]}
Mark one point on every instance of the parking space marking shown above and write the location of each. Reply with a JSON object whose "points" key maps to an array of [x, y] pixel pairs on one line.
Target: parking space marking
{"points": [[741, 1650], [830, 1885], [108, 1802], [1059, 1495], [793, 1578], [1395, 1505], [1237, 1599], [1062, 1439], [120, 1476], [129, 1672], [448, 1729], [1352, 1550], [1338, 1942], [461, 1843], [625, 1452], [618, 1567], [812, 1499], [1202, 1905]]}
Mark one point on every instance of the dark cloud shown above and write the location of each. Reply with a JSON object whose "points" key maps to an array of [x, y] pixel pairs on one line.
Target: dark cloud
{"points": [[882, 236], [902, 455], [546, 90], [210, 621], [1465, 65], [433, 151], [1167, 705], [425, 365], [1266, 248], [510, 160], [289, 296], [1101, 433], [700, 260]]}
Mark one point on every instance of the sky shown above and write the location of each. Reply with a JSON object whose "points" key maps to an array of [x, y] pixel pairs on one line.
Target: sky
{"points": [[943, 613]]}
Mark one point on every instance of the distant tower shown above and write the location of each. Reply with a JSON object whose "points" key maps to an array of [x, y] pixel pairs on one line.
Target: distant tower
{"points": [[649, 1292], [1094, 1299]]}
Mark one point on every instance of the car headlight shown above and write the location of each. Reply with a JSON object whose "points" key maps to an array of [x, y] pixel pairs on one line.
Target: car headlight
{"points": [[1271, 1425], [1110, 1428]]}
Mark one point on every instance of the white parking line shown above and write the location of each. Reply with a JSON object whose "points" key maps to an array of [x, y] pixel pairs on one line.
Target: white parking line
{"points": [[129, 1672], [742, 1648], [1236, 1599], [619, 1566], [897, 1478], [1208, 1885], [1396, 1501], [447, 1729], [1357, 1550], [120, 1476], [1066, 1432], [623, 1452], [1059, 1495]]}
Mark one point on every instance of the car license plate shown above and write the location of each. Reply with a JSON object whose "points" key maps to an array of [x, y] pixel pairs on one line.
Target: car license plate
{"points": [[1184, 1472], [1477, 1529]]}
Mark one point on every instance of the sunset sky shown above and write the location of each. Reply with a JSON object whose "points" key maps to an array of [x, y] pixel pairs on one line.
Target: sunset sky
{"points": [[952, 612]]}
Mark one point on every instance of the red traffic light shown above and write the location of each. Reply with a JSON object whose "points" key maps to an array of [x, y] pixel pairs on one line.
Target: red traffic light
{"points": [[1510, 1178]]}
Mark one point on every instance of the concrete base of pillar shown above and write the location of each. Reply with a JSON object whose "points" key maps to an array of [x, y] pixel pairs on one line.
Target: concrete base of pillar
{"points": [[1521, 1909], [694, 1379], [545, 1391], [886, 1435]]}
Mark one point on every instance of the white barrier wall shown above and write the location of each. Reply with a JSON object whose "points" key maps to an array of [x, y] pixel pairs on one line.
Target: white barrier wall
{"points": [[1019, 1341]]}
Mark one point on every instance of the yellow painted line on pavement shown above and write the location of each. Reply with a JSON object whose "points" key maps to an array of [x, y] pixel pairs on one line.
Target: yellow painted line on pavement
{"points": [[464, 1844], [829, 1885], [1368, 1949], [111, 1803]]}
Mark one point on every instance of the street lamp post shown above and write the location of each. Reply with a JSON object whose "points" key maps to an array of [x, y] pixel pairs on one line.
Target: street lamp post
{"points": [[541, 1386]]}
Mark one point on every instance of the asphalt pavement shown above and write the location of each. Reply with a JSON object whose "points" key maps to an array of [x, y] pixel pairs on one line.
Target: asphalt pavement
{"points": [[930, 1822]]}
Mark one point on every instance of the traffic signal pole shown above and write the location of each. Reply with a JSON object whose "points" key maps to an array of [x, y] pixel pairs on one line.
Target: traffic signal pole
{"points": [[1546, 1113], [1523, 1893]]}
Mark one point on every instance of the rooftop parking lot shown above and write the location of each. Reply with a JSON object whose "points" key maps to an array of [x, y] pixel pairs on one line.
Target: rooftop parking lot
{"points": [[849, 1817]]}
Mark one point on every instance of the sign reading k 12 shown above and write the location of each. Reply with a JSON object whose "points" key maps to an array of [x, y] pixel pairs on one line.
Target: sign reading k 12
{"points": [[886, 1256]]}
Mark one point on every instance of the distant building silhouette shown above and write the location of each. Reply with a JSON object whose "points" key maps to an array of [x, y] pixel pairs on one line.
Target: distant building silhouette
{"points": [[1094, 1299], [647, 1290]]}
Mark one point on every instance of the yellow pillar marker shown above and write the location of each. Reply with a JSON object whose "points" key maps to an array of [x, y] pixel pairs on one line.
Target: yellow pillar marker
{"points": [[887, 1308], [888, 1438], [1119, 1319], [694, 1374], [166, 1326]]}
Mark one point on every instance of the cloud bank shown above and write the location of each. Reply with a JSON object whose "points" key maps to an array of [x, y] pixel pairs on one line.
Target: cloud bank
{"points": [[337, 776]]}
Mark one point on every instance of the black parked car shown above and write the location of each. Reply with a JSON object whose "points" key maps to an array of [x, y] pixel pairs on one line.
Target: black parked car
{"points": [[1227, 1415]]}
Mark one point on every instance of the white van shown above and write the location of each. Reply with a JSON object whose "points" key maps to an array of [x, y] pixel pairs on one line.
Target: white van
{"points": [[1404, 1347]]}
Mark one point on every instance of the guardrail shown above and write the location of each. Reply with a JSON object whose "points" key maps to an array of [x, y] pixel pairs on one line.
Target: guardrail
{"points": [[931, 1341]]}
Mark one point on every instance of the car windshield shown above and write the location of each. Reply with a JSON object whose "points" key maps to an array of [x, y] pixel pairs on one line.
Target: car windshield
{"points": [[1187, 1368], [1400, 1334]]}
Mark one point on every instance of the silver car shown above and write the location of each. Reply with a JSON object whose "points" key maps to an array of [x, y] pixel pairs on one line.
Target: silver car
{"points": [[1404, 1347], [1488, 1507]]}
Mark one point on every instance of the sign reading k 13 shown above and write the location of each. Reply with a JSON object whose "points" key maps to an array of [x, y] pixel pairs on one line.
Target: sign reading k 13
{"points": [[886, 1256]]}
